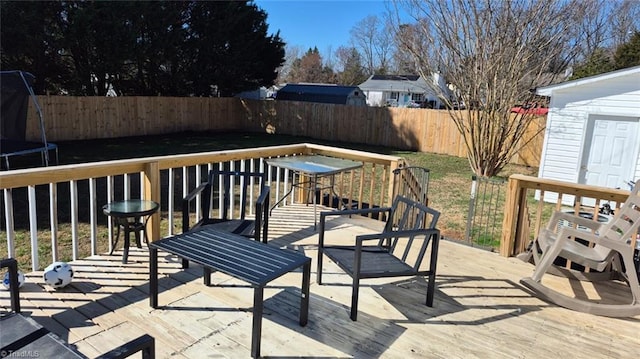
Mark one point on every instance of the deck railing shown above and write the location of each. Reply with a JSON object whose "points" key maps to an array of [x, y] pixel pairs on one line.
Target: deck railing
{"points": [[72, 195], [525, 214]]}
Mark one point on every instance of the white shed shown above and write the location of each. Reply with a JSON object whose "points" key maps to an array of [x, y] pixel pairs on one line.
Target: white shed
{"points": [[593, 130]]}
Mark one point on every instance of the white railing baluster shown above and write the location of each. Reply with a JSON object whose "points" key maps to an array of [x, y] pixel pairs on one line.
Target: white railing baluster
{"points": [[185, 186], [8, 219], [199, 198], [232, 183], [209, 169], [170, 201], [53, 217], [33, 227], [220, 185], [142, 192], [242, 184], [278, 171], [110, 198], [286, 186], [127, 187], [93, 216], [252, 183], [73, 191]]}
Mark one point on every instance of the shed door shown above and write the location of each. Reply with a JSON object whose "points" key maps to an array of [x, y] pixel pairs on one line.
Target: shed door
{"points": [[612, 148]]}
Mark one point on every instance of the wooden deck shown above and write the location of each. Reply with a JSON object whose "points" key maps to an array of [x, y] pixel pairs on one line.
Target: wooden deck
{"points": [[480, 309]]}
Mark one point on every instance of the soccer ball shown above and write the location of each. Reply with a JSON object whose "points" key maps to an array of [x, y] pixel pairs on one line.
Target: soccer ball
{"points": [[58, 274], [7, 284]]}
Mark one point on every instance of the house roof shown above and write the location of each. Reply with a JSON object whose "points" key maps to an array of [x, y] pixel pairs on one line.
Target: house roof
{"points": [[397, 83], [316, 93], [548, 90]]}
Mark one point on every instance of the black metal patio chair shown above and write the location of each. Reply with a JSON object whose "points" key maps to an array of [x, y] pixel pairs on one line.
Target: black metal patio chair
{"points": [[225, 201], [398, 251]]}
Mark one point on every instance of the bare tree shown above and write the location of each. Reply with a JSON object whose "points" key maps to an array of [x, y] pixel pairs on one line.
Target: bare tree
{"points": [[624, 21], [291, 53], [594, 23], [491, 53], [374, 40]]}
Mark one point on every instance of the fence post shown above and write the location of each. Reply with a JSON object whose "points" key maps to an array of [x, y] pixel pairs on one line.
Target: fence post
{"points": [[472, 206]]}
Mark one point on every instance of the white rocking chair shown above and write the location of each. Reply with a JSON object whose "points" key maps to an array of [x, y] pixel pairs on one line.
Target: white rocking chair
{"points": [[608, 244]]}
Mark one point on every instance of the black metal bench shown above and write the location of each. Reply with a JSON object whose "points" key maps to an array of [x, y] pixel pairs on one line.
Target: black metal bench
{"points": [[251, 261]]}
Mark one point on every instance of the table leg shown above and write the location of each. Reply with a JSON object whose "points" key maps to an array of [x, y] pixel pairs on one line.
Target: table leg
{"points": [[115, 242], [137, 228], [282, 198], [127, 238], [304, 299], [256, 331], [153, 277]]}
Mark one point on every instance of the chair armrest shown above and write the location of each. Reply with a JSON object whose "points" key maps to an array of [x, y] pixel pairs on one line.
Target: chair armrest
{"points": [[204, 187], [145, 344], [196, 191], [566, 232], [325, 214], [263, 199], [581, 221], [393, 234], [12, 265], [347, 212]]}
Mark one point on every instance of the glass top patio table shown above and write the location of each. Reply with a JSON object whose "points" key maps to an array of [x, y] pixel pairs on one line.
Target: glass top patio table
{"points": [[315, 164], [315, 167]]}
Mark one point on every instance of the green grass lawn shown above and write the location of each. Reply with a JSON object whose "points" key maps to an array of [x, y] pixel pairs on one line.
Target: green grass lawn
{"points": [[450, 177]]}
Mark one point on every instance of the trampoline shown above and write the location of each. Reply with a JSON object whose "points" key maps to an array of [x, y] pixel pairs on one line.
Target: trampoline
{"points": [[16, 87]]}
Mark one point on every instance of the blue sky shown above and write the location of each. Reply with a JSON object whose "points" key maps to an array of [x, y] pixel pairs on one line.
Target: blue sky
{"points": [[324, 24]]}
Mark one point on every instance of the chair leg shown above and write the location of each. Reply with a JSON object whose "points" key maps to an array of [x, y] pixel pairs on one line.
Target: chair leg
{"points": [[433, 265], [319, 269], [354, 298], [546, 260]]}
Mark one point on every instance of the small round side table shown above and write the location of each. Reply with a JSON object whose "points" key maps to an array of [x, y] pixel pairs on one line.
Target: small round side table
{"points": [[132, 216]]}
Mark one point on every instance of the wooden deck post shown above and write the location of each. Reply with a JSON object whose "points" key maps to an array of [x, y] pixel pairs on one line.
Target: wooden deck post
{"points": [[152, 192], [511, 217]]}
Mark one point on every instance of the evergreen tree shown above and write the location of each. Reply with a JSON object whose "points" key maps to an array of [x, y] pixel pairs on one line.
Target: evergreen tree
{"points": [[141, 48], [353, 72], [228, 48], [30, 32], [628, 54], [598, 63]]}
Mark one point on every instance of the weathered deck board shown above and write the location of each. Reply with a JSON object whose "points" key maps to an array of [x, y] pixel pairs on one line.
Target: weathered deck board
{"points": [[480, 309]]}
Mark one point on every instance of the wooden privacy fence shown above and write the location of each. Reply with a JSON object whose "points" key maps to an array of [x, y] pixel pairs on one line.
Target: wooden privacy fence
{"points": [[424, 130]]}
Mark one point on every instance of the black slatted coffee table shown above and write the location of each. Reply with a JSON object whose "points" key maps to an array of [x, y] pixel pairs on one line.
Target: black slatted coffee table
{"points": [[251, 261]]}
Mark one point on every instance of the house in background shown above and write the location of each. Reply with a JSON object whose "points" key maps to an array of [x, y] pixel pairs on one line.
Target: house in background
{"points": [[402, 91], [593, 130], [323, 93], [260, 93]]}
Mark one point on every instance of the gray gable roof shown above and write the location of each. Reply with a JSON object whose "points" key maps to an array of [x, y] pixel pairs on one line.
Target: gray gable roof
{"points": [[548, 90], [397, 83]]}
